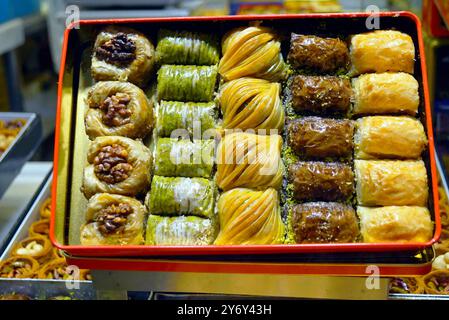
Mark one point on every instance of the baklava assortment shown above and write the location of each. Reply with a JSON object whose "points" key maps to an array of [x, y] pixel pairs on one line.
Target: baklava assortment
{"points": [[9, 129], [235, 145]]}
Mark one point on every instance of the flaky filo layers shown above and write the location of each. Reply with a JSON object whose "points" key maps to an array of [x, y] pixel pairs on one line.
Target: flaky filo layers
{"points": [[249, 217], [117, 165], [122, 54], [118, 109], [113, 219], [249, 160], [252, 52], [250, 103]]}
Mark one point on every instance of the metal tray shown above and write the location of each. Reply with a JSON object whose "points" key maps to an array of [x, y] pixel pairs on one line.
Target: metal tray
{"points": [[70, 147], [21, 149], [39, 288]]}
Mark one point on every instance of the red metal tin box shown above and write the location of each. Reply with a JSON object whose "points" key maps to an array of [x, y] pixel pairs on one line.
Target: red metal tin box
{"points": [[77, 40]]}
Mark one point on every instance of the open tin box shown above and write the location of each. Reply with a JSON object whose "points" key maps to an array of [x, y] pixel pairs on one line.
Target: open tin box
{"points": [[71, 142]]}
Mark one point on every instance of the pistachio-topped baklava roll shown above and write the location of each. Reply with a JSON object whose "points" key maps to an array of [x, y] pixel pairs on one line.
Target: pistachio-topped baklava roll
{"points": [[391, 183], [198, 120], [321, 138], [252, 52], [249, 217], [122, 54], [184, 47], [179, 231], [321, 181], [324, 222], [117, 165], [386, 137], [320, 94], [381, 51], [250, 161], [184, 158], [19, 267], [113, 219], [385, 93], [315, 54], [186, 83], [250, 103], [177, 195], [118, 109]]}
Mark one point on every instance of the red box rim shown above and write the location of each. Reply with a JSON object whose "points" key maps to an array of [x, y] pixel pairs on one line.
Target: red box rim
{"points": [[144, 250]]}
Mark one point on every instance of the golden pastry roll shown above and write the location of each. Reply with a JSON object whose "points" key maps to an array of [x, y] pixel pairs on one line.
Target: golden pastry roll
{"points": [[122, 54], [391, 183], [250, 103], [19, 267], [179, 231], [59, 270], [118, 109], [322, 55], [252, 52], [395, 224], [45, 209], [324, 222], [113, 220], [380, 51], [40, 228], [321, 138], [117, 165], [410, 285], [249, 160], [385, 137], [249, 217], [385, 93], [437, 282]]}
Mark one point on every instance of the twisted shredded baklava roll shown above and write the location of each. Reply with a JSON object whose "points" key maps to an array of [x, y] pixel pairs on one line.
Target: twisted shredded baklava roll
{"points": [[252, 52], [117, 165], [391, 183], [381, 51], [321, 138], [19, 267], [321, 181], [187, 118], [113, 219], [436, 282], [179, 231], [249, 103], [324, 222], [37, 247], [250, 161], [249, 217], [118, 109], [184, 47], [385, 93], [322, 55], [385, 137], [186, 83], [184, 158], [395, 224], [122, 54], [320, 94], [176, 196]]}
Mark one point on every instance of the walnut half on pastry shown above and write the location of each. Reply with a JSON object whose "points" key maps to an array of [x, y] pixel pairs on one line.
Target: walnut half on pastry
{"points": [[118, 109], [122, 54], [117, 165]]}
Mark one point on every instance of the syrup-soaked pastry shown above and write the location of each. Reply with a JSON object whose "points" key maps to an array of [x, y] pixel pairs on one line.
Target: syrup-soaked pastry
{"points": [[249, 217], [117, 165], [324, 222], [320, 94], [252, 52], [113, 219], [315, 54], [381, 51], [118, 109], [391, 183], [185, 47], [122, 54], [386, 137], [321, 138]]}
